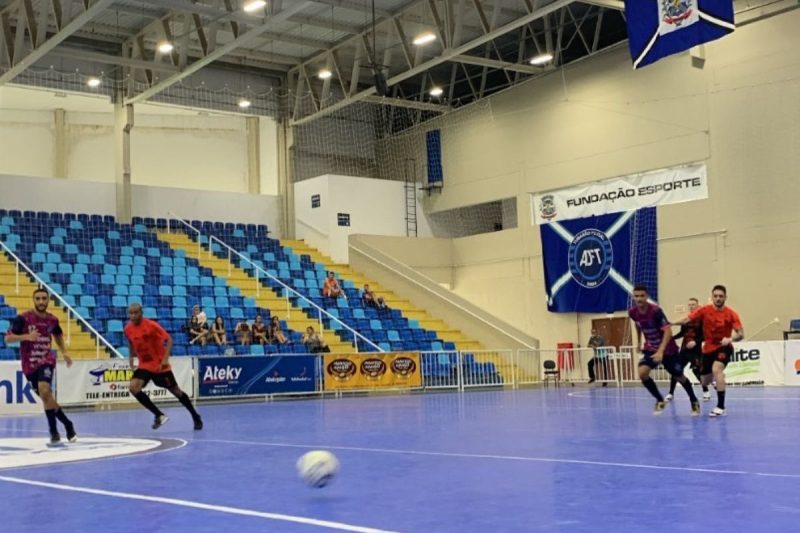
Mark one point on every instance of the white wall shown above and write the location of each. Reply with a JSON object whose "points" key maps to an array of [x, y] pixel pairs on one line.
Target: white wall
{"points": [[170, 146], [76, 196], [376, 207], [598, 119]]}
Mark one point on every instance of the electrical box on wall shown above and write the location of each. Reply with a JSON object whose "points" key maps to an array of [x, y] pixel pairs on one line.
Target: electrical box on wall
{"points": [[315, 201], [343, 219]]}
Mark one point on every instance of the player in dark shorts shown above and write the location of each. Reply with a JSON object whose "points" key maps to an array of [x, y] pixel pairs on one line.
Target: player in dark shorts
{"points": [[721, 328], [659, 348], [35, 331], [691, 350], [147, 339]]}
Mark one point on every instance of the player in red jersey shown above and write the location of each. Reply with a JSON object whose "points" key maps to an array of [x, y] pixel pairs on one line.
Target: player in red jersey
{"points": [[691, 350], [147, 339], [35, 330], [721, 328]]}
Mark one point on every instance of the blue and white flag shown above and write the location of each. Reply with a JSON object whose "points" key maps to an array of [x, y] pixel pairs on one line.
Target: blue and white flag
{"points": [[591, 264], [659, 28]]}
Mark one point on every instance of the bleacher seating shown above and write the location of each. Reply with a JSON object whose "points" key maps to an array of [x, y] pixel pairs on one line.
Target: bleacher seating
{"points": [[100, 267], [389, 329], [7, 314]]}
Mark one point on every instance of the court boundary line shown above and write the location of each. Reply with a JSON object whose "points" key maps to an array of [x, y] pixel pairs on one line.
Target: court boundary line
{"points": [[587, 394], [505, 458], [341, 526]]}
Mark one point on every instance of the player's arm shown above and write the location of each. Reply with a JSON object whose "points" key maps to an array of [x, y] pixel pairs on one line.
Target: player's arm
{"points": [[131, 354], [58, 336], [738, 331], [17, 332], [638, 339], [168, 349], [681, 333], [666, 337]]}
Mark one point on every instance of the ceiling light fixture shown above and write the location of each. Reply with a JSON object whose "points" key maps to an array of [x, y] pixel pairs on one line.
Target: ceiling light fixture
{"points": [[436, 91], [424, 38], [165, 47], [93, 82], [324, 74], [252, 6], [542, 59]]}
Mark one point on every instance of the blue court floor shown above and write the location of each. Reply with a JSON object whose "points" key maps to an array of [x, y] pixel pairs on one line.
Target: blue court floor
{"points": [[572, 460]]}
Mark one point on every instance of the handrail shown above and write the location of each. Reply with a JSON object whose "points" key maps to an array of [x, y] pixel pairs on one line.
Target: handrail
{"points": [[70, 309], [287, 288], [428, 289], [311, 226]]}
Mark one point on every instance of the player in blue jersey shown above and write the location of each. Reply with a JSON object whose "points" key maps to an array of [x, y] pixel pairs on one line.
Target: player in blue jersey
{"points": [[659, 348]]}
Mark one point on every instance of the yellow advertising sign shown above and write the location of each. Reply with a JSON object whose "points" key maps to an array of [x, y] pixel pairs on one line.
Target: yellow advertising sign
{"points": [[372, 371]]}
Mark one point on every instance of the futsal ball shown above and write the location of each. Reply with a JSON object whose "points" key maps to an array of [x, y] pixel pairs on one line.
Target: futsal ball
{"points": [[317, 468]]}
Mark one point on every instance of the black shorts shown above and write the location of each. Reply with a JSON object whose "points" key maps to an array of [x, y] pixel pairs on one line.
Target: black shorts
{"points": [[723, 355], [693, 357], [165, 380], [44, 374], [672, 363]]}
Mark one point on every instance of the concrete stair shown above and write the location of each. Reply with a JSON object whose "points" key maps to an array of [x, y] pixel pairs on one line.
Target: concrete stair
{"points": [[442, 329], [80, 344], [265, 298]]}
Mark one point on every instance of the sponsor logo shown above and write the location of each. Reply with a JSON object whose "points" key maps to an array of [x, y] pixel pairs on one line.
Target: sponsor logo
{"points": [[17, 391], [547, 207], [275, 378], [341, 369], [403, 366], [302, 377], [797, 366], [373, 368], [221, 374], [115, 374], [675, 12], [742, 362], [591, 256]]}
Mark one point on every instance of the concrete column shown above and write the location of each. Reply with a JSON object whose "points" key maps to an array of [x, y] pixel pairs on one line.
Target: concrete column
{"points": [[60, 170], [285, 183], [123, 123], [253, 156]]}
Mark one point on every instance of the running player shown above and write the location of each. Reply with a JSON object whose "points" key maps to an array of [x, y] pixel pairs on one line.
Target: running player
{"points": [[146, 339], [691, 350], [721, 328], [659, 348], [35, 330]]}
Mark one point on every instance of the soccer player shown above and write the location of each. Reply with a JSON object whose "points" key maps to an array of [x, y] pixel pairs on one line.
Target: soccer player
{"points": [[691, 350], [35, 330], [659, 348], [721, 328], [146, 339]]}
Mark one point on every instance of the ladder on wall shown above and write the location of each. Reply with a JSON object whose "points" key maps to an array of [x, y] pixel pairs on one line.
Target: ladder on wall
{"points": [[411, 198]]}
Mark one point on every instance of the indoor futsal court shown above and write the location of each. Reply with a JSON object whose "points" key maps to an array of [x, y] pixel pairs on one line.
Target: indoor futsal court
{"points": [[531, 460], [407, 266]]}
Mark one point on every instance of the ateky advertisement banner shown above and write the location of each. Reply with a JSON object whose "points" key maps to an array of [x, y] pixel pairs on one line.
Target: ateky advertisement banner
{"points": [[16, 395], [241, 376], [628, 193]]}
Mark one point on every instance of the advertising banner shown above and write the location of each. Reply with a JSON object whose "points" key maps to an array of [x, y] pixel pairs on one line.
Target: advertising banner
{"points": [[756, 362], [239, 376], [103, 381], [791, 374], [372, 371], [16, 395], [627, 193]]}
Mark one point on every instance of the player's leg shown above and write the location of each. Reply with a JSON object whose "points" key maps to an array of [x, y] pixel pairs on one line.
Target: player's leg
{"points": [[590, 366], [138, 382], [645, 365], [675, 365], [697, 366], [166, 380], [718, 372]]}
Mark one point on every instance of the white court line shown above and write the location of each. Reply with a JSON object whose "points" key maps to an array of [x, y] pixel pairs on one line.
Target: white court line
{"points": [[197, 505], [502, 458], [727, 398]]}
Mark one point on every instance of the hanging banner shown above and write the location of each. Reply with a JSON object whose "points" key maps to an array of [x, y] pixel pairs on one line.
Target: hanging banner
{"points": [[16, 395], [629, 193], [372, 371], [106, 381]]}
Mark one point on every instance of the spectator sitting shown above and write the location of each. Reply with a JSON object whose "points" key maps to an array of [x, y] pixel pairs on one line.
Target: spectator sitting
{"points": [[259, 331], [218, 331], [275, 333], [331, 288], [200, 314], [242, 333], [313, 341], [198, 332], [370, 299]]}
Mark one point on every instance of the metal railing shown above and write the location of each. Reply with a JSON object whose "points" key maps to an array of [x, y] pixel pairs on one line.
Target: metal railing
{"points": [[432, 287], [288, 291], [70, 310]]}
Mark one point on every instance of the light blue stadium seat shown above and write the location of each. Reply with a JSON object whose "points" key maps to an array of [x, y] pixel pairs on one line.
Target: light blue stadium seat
{"points": [[65, 268], [87, 301], [179, 313], [71, 249], [359, 313], [375, 324], [126, 251], [119, 301], [179, 280], [98, 259], [123, 279], [124, 269], [114, 326], [164, 290], [108, 268], [138, 270], [237, 314], [41, 248], [136, 290], [436, 346], [125, 260], [180, 291], [179, 301], [80, 279], [38, 257], [413, 324], [150, 312], [59, 232], [250, 302], [139, 261], [137, 243], [385, 346], [107, 279], [80, 269], [74, 289], [84, 259], [122, 289], [134, 300], [137, 279], [113, 234]]}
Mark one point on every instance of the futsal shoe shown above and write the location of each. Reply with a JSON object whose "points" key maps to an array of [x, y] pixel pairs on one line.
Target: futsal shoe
{"points": [[160, 421], [715, 412], [668, 397], [660, 406], [55, 439], [695, 408], [71, 435], [706, 395], [198, 424]]}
